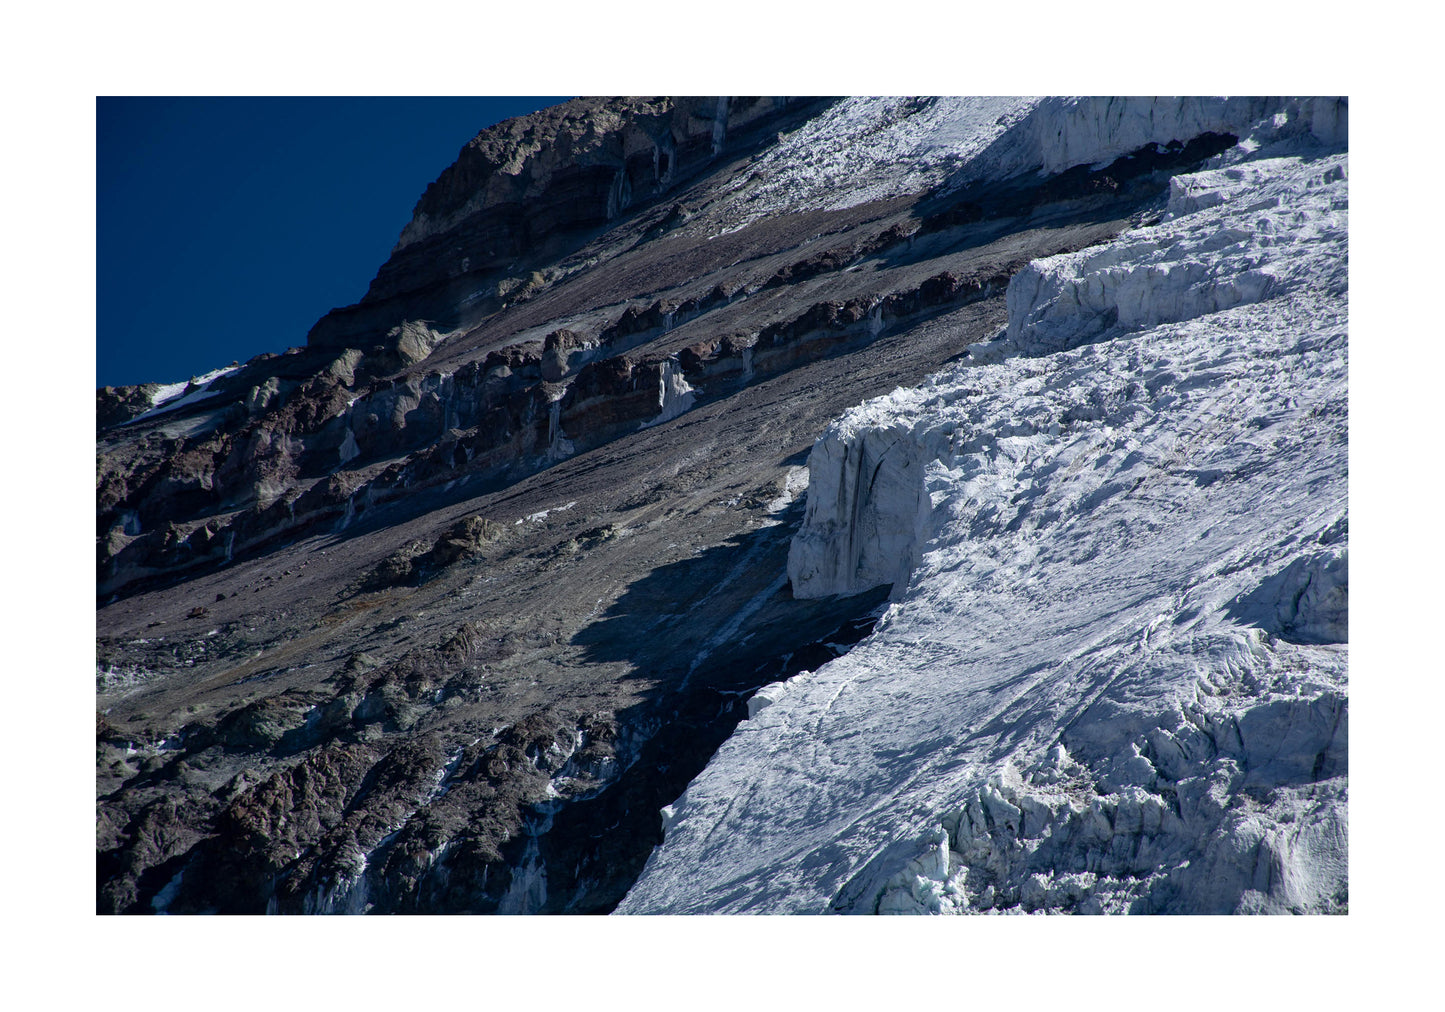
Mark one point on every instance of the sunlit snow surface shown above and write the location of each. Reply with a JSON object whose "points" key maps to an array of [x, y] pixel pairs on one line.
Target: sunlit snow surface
{"points": [[864, 149], [171, 396], [1116, 678]]}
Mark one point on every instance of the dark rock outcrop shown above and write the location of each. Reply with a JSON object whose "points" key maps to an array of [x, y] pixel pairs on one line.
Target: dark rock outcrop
{"points": [[533, 188]]}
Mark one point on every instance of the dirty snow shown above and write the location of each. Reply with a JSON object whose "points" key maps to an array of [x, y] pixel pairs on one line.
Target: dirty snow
{"points": [[541, 515]]}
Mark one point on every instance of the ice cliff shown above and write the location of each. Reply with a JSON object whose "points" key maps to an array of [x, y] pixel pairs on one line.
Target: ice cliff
{"points": [[863, 149], [1113, 677]]}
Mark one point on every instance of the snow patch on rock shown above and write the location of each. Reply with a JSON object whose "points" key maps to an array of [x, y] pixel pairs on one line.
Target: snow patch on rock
{"points": [[541, 515], [795, 483], [168, 392], [171, 396], [349, 448], [559, 447]]}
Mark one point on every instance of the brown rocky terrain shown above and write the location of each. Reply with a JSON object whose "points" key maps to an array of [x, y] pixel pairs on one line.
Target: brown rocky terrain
{"points": [[436, 612]]}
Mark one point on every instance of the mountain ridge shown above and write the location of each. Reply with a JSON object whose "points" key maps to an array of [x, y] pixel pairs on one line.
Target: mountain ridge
{"points": [[371, 529]]}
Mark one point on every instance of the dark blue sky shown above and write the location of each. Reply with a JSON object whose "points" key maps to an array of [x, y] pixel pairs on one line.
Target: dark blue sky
{"points": [[226, 227]]}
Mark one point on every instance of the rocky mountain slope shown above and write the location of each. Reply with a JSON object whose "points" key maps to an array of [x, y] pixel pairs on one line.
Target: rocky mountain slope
{"points": [[438, 612]]}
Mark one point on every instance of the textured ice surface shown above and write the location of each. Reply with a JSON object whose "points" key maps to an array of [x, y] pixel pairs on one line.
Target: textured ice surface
{"points": [[1234, 236], [1115, 679], [867, 513], [864, 149]]}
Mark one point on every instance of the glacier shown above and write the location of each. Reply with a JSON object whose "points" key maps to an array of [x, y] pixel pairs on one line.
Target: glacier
{"points": [[867, 148], [1112, 677]]}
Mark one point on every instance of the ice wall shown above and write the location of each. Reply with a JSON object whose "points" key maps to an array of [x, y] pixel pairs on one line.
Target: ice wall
{"points": [[1233, 236], [866, 514], [675, 395], [864, 149], [1059, 133]]}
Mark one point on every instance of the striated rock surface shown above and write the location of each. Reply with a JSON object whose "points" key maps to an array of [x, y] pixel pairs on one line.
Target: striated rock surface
{"points": [[437, 612], [522, 194]]}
